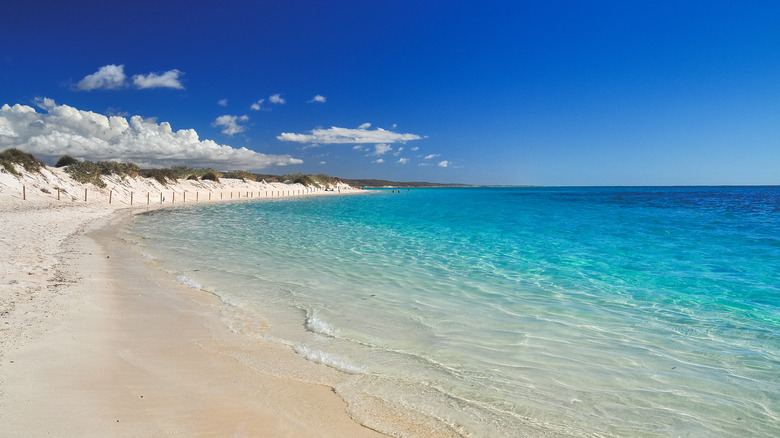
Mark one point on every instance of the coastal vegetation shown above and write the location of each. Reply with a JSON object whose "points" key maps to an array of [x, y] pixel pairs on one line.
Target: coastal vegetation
{"points": [[310, 180], [86, 171], [90, 172], [11, 157], [66, 160], [243, 175], [162, 176]]}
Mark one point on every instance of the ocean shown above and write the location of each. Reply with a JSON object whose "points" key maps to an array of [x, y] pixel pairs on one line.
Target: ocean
{"points": [[504, 312]]}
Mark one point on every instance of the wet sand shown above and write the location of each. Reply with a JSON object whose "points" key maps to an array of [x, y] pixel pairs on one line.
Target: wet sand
{"points": [[96, 342]]}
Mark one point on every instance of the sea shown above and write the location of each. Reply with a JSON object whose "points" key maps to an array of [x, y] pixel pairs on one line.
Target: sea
{"points": [[509, 311]]}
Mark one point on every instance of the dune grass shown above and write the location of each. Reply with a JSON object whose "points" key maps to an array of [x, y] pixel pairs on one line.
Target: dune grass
{"points": [[10, 158]]}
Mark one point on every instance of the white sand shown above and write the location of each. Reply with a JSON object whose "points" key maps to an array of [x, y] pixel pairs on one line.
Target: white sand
{"points": [[141, 192], [97, 343]]}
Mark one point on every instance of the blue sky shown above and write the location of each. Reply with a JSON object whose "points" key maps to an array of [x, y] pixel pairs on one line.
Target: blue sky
{"points": [[489, 92]]}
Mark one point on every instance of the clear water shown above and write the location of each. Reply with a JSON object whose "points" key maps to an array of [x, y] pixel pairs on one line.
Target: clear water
{"points": [[512, 311]]}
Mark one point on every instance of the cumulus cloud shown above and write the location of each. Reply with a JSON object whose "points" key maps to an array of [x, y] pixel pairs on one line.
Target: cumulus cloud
{"points": [[63, 129], [112, 77], [382, 148], [379, 160], [358, 147], [403, 160], [444, 163], [416, 148], [318, 98], [230, 124], [169, 79], [431, 156], [336, 135], [222, 102], [108, 77], [257, 106], [277, 98]]}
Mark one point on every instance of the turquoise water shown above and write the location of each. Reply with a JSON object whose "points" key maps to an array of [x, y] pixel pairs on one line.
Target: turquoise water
{"points": [[511, 311]]}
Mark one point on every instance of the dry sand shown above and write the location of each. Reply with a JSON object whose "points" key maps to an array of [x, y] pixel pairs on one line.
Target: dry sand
{"points": [[95, 342]]}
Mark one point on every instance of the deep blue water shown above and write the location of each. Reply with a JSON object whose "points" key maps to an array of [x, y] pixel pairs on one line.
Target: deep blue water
{"points": [[512, 311]]}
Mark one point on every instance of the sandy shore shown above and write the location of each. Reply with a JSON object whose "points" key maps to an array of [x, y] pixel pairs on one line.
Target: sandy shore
{"points": [[96, 342]]}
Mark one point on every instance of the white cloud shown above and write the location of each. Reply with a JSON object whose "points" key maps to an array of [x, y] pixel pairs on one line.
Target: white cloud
{"points": [[222, 102], [257, 106], [169, 79], [230, 124], [318, 98], [431, 156], [379, 160], [358, 147], [88, 135], [277, 98], [322, 162], [416, 148], [382, 148], [403, 160], [7, 131], [444, 163], [336, 135], [108, 77]]}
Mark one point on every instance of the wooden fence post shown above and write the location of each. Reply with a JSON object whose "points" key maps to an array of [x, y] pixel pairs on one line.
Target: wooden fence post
{"points": [[85, 195], [24, 193], [110, 195], [58, 193], [131, 198]]}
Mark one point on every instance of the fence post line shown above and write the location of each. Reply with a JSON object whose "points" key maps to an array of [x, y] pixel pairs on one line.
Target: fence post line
{"points": [[58, 193], [110, 195], [148, 198], [85, 195], [24, 193]]}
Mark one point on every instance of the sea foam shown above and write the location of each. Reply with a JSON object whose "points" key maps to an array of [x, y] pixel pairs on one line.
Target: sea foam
{"points": [[321, 357], [183, 279]]}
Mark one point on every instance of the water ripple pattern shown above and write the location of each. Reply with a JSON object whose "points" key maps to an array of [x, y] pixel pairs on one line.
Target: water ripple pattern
{"points": [[513, 311]]}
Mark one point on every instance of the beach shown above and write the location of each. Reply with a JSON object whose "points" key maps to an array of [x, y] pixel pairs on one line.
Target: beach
{"points": [[96, 342], [409, 314]]}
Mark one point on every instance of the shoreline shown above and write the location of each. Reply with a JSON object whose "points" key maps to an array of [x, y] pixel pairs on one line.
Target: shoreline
{"points": [[121, 349]]}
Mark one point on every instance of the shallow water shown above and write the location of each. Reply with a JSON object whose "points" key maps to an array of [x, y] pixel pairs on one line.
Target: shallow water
{"points": [[511, 311]]}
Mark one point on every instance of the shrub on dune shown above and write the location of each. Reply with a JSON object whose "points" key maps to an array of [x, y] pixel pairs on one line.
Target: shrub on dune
{"points": [[13, 156]]}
